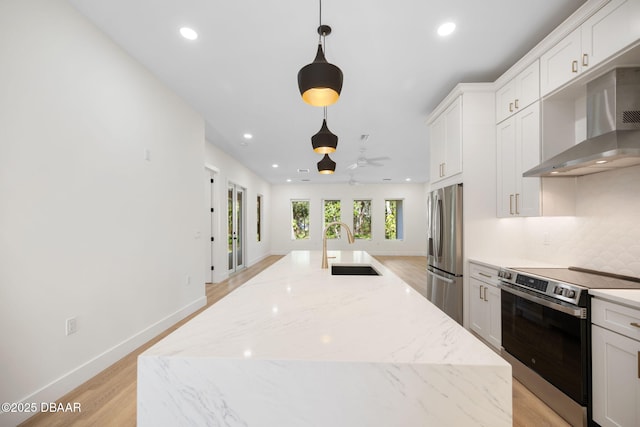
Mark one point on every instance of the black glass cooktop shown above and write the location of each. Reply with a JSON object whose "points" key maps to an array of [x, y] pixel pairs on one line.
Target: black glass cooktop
{"points": [[586, 278]]}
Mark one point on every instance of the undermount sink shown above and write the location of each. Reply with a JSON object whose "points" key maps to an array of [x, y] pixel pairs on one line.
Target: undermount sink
{"points": [[353, 270]]}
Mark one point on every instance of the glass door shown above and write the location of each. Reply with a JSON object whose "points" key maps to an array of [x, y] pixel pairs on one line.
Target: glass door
{"points": [[235, 227]]}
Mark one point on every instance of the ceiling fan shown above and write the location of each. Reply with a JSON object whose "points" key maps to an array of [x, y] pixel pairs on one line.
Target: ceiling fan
{"points": [[352, 180], [363, 161]]}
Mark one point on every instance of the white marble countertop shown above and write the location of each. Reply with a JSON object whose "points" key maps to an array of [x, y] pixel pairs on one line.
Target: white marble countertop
{"points": [[295, 346], [630, 297], [297, 311]]}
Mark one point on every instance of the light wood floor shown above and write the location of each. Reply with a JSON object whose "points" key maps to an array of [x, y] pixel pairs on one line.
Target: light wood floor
{"points": [[109, 398]]}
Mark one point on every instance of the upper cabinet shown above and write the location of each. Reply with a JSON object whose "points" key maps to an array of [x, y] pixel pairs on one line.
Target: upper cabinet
{"points": [[461, 124], [518, 149], [445, 133], [518, 93], [609, 30]]}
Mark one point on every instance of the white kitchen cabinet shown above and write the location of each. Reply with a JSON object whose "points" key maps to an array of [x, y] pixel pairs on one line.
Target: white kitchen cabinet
{"points": [[609, 30], [519, 92], [612, 28], [518, 150], [615, 364], [484, 304], [445, 134]]}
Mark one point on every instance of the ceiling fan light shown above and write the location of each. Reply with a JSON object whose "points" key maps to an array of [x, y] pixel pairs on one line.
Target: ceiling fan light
{"points": [[324, 141], [320, 82], [326, 166]]}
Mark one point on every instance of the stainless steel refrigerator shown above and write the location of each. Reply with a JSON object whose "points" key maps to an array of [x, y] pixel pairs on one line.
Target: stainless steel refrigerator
{"points": [[444, 270]]}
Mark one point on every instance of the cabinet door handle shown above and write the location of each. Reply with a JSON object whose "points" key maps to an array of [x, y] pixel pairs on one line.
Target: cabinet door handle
{"points": [[485, 294], [488, 276], [511, 107], [510, 204], [517, 203], [516, 104], [481, 291], [638, 358], [585, 60], [635, 324], [574, 66]]}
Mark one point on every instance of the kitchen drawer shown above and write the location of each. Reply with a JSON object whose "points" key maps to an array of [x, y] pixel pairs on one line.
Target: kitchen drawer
{"points": [[615, 317], [484, 273]]}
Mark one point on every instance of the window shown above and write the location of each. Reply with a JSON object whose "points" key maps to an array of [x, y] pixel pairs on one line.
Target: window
{"points": [[259, 219], [331, 213], [299, 219], [362, 219], [393, 222]]}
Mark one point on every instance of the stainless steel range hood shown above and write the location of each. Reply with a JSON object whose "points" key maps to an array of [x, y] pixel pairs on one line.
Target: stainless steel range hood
{"points": [[613, 129]]}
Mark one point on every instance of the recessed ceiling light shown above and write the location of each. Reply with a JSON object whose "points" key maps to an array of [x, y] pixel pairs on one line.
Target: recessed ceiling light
{"points": [[601, 162], [247, 136], [275, 165], [188, 33], [555, 172], [446, 29], [288, 179], [408, 179]]}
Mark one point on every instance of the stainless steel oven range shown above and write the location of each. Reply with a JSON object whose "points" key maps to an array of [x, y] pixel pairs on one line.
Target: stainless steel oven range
{"points": [[546, 333], [544, 329]]}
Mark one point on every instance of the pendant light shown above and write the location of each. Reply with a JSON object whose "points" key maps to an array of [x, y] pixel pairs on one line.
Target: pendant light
{"points": [[324, 141], [326, 165], [320, 82]]}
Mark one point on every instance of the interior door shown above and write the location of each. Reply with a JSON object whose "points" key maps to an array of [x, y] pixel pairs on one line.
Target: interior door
{"points": [[235, 226], [211, 202]]}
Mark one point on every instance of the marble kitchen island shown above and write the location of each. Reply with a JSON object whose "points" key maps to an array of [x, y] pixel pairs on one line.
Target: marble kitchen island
{"points": [[296, 346]]}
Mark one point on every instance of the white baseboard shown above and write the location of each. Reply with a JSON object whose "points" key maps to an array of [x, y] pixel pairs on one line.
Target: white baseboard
{"points": [[222, 276], [258, 259], [72, 379]]}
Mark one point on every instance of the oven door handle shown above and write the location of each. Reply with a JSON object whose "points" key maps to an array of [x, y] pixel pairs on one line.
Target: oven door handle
{"points": [[578, 312]]}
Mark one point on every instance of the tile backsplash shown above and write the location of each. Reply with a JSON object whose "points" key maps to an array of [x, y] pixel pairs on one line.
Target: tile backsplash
{"points": [[605, 233]]}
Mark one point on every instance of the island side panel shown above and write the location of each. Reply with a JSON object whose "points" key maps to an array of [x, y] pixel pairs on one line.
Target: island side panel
{"points": [[248, 392]]}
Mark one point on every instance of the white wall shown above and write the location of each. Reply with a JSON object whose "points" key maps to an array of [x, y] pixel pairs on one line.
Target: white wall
{"points": [[88, 227], [414, 204], [229, 170], [604, 234]]}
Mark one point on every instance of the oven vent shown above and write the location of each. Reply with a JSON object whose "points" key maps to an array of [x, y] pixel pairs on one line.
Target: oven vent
{"points": [[631, 117]]}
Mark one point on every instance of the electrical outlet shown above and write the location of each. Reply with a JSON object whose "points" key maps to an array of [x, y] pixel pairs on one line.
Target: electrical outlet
{"points": [[546, 240], [71, 326]]}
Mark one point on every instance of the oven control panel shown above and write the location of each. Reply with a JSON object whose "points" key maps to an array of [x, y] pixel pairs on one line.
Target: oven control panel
{"points": [[566, 292]]}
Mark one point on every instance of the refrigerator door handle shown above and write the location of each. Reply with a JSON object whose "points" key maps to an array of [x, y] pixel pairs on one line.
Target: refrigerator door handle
{"points": [[440, 219], [439, 277]]}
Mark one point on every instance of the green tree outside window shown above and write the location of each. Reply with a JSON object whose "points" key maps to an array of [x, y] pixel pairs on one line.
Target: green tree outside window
{"points": [[300, 219], [362, 219], [331, 214]]}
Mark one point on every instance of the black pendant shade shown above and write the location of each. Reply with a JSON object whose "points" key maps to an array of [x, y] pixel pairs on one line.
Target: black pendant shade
{"points": [[324, 141], [326, 165], [320, 82]]}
